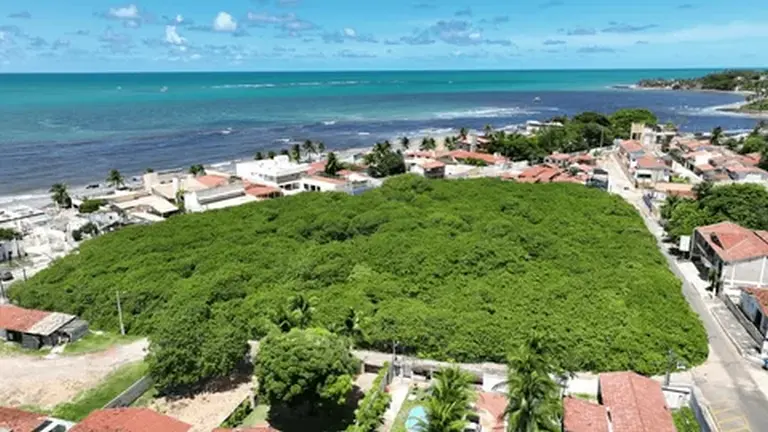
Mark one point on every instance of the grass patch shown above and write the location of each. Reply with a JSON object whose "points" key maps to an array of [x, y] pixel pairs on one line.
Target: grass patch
{"points": [[11, 349], [95, 398], [145, 399], [405, 409], [96, 342], [257, 417], [685, 421]]}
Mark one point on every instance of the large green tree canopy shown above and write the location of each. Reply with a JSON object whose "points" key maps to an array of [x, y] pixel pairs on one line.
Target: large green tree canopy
{"points": [[454, 270]]}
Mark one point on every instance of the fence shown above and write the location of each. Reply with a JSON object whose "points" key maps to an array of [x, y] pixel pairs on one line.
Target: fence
{"points": [[739, 314], [132, 393]]}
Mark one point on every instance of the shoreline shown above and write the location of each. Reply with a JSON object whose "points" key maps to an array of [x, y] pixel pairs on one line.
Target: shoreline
{"points": [[733, 109]]}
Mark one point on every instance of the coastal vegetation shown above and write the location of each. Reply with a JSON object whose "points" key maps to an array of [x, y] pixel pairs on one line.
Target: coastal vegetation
{"points": [[60, 195], [453, 270], [584, 131], [448, 403], [91, 205], [744, 204], [728, 80], [115, 179], [9, 234]]}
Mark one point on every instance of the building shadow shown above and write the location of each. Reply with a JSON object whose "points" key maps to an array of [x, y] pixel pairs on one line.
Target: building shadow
{"points": [[316, 419]]}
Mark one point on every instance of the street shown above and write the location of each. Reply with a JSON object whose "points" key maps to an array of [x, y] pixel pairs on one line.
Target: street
{"points": [[734, 389]]}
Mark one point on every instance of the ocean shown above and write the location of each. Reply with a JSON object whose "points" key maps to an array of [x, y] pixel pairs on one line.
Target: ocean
{"points": [[74, 128]]}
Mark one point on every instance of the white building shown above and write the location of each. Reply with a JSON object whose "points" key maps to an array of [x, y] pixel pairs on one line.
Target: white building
{"points": [[229, 195], [649, 169], [278, 172], [10, 250]]}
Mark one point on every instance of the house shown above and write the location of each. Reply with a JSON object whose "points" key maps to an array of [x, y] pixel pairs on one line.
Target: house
{"points": [[693, 145], [548, 173], [262, 192], [464, 157], [751, 159], [627, 402], [279, 172], [698, 158], [320, 183], [560, 159], [650, 135], [429, 168], [34, 328], [737, 255], [11, 249], [16, 420], [649, 169], [754, 304], [746, 174], [631, 151], [129, 420], [228, 195]]}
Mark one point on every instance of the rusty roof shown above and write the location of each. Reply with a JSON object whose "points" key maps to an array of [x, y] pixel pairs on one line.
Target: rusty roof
{"points": [[761, 295], [16, 420], [631, 146], [20, 319], [583, 416], [485, 157], [211, 180], [635, 403], [494, 404], [129, 420], [651, 163], [732, 242]]}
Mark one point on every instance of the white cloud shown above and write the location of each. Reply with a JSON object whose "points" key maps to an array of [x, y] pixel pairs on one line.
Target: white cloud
{"points": [[127, 12], [350, 32], [179, 19], [172, 36], [224, 23]]}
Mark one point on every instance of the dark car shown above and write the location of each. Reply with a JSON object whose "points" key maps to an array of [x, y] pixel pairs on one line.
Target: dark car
{"points": [[6, 276], [765, 363]]}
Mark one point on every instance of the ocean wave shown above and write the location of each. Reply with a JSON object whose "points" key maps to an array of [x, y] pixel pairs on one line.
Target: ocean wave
{"points": [[363, 133], [329, 122], [242, 86], [485, 113]]}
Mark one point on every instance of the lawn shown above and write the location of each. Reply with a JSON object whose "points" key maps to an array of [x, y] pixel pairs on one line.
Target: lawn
{"points": [[8, 349], [98, 341], [95, 398]]}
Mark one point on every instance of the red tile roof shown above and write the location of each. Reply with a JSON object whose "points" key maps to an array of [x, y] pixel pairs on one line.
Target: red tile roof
{"points": [[212, 180], [16, 420], [761, 295], [705, 167], [261, 191], [651, 163], [494, 404], [129, 420], [636, 403], [630, 146], [584, 158], [316, 167], [751, 158], [583, 416], [485, 157], [560, 156], [732, 242], [431, 164], [19, 319]]}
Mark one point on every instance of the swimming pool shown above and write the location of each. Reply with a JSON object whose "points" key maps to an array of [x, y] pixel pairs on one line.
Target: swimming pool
{"points": [[413, 423]]}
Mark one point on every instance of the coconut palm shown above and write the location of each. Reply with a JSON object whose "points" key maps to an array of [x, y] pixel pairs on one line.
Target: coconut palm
{"points": [[320, 147], [285, 152], [297, 313], [463, 133], [449, 402], [197, 169], [309, 147], [115, 179], [450, 143], [295, 153], [405, 142], [533, 395], [332, 165], [149, 170], [717, 134], [488, 129], [427, 144], [258, 156], [271, 154], [60, 195]]}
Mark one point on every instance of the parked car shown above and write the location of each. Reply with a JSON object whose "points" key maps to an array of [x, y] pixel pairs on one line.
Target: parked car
{"points": [[6, 276], [765, 363]]}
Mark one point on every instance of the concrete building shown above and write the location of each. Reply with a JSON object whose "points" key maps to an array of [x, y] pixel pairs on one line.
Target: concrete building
{"points": [[631, 151], [279, 172], [34, 328], [628, 402], [650, 170], [11, 249], [429, 168], [754, 304], [739, 256], [227, 195], [651, 135], [323, 184], [563, 160], [747, 174]]}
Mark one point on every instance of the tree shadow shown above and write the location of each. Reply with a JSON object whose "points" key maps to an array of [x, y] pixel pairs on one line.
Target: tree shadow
{"points": [[243, 374], [320, 419]]}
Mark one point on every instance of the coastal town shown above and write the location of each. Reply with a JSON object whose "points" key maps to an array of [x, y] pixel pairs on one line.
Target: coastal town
{"points": [[654, 168]]}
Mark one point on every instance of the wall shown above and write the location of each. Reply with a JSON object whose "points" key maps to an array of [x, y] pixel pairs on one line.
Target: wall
{"points": [[737, 312], [746, 273], [130, 394]]}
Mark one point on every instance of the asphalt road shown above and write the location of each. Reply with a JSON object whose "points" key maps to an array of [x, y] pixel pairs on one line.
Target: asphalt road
{"points": [[726, 379]]}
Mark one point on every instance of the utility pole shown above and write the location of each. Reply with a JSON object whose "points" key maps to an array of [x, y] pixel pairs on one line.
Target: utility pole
{"points": [[120, 314], [670, 362]]}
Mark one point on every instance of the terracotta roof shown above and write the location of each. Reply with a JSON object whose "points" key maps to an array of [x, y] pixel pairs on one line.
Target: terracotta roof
{"points": [[16, 420], [651, 163], [212, 180], [129, 420], [636, 403], [583, 416], [705, 167], [488, 158], [586, 157], [630, 146], [692, 145], [732, 242], [560, 156], [431, 164], [494, 404], [761, 295], [316, 167], [19, 319], [419, 153], [259, 190], [751, 158]]}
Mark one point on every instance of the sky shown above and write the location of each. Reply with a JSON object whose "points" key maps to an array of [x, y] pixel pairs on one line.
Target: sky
{"points": [[296, 35]]}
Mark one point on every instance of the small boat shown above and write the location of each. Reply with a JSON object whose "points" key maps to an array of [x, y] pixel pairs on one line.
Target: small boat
{"points": [[163, 89]]}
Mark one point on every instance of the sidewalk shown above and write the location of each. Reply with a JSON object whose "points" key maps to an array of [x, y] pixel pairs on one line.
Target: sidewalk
{"points": [[735, 331]]}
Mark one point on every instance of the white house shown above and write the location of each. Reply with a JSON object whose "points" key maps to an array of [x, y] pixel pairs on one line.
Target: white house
{"points": [[229, 195], [747, 174], [278, 172], [649, 169], [10, 250], [754, 304], [323, 184], [739, 256], [428, 168]]}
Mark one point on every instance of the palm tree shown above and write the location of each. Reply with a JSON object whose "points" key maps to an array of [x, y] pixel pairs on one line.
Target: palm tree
{"points": [[149, 170], [463, 132], [297, 314], [320, 147], [488, 129], [427, 144], [60, 195], [717, 133], [258, 156], [449, 402], [332, 165], [115, 179], [197, 169], [532, 393], [405, 142], [309, 147], [271, 154], [296, 153], [450, 143]]}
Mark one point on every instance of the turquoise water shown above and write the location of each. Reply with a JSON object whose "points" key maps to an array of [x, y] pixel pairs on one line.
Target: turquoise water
{"points": [[76, 127], [416, 416]]}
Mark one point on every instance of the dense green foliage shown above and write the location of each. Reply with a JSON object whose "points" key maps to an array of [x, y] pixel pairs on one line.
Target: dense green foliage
{"points": [[685, 420], [193, 342], [744, 204], [90, 206], [728, 80], [369, 415], [9, 234], [448, 403], [757, 105], [382, 161], [584, 131], [451, 269], [311, 368]]}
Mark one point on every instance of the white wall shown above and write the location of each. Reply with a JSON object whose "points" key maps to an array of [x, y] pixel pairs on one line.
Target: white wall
{"points": [[314, 185], [752, 273]]}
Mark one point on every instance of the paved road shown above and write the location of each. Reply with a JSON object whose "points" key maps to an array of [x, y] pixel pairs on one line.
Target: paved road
{"points": [[726, 379]]}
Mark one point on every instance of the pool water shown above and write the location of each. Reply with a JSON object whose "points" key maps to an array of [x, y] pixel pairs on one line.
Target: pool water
{"points": [[413, 423]]}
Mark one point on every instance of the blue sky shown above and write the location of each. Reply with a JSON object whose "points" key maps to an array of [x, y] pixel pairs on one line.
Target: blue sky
{"points": [[155, 35]]}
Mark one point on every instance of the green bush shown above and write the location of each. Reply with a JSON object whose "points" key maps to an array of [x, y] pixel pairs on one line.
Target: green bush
{"points": [[370, 410], [90, 206], [685, 421], [453, 270]]}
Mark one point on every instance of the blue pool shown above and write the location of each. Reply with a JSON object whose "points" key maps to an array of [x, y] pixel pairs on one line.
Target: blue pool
{"points": [[412, 423]]}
